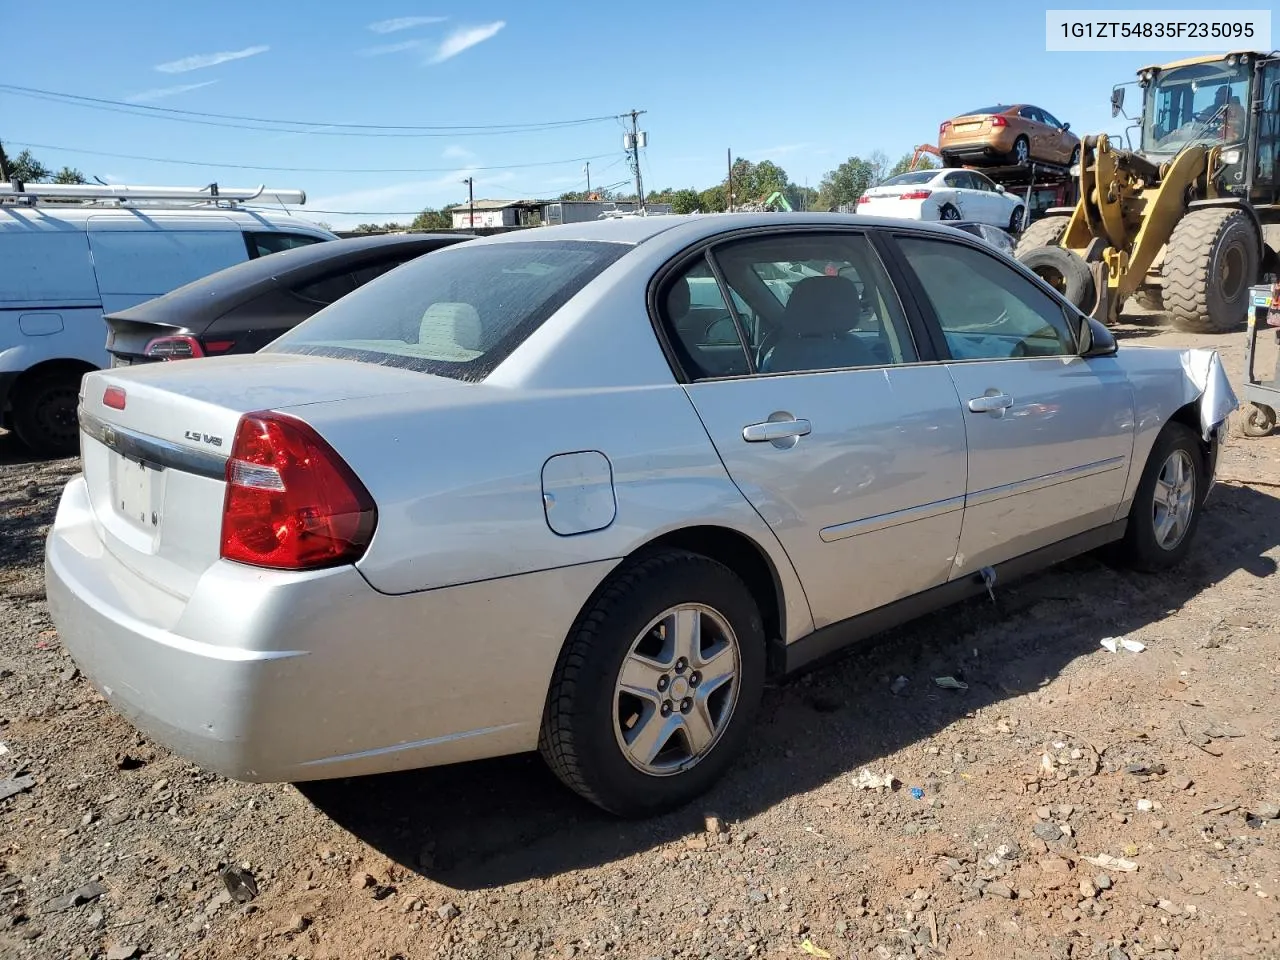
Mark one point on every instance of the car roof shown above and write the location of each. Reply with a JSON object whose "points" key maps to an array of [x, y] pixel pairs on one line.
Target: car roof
{"points": [[210, 297]]}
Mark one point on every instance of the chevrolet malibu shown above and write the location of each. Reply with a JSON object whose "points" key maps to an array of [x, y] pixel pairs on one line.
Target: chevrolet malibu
{"points": [[582, 489]]}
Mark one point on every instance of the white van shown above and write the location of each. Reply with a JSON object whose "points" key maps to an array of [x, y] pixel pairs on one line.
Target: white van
{"points": [[97, 250]]}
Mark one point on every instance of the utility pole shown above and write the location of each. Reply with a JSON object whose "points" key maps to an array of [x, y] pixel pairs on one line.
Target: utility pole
{"points": [[632, 142], [728, 197], [471, 202], [588, 179]]}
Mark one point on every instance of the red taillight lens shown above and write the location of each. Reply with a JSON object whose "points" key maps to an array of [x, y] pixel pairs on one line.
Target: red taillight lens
{"points": [[916, 195], [864, 199], [292, 503], [944, 127], [174, 348], [114, 398], [999, 122], [217, 346]]}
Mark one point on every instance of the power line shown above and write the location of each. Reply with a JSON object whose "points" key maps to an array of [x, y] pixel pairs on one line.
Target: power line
{"points": [[301, 127], [250, 166]]}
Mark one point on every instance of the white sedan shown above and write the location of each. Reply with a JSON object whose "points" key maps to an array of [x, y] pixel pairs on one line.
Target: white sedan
{"points": [[947, 194]]}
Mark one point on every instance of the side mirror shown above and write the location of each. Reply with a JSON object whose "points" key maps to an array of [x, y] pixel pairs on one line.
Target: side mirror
{"points": [[1117, 101], [1067, 126], [1096, 340], [999, 188]]}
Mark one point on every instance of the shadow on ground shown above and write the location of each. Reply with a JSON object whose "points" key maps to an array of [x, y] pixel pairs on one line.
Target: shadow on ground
{"points": [[496, 822]]}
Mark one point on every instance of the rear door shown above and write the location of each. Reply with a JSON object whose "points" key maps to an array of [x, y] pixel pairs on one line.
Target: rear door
{"points": [[838, 430], [137, 258], [1050, 434]]}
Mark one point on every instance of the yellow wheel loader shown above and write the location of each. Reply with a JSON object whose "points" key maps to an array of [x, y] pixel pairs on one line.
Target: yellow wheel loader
{"points": [[1191, 218]]}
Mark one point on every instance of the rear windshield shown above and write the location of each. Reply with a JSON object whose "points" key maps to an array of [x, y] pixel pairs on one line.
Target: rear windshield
{"points": [[996, 109], [918, 176], [455, 313]]}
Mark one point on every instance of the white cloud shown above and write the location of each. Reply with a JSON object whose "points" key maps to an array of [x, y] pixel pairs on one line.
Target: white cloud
{"points": [[202, 60], [146, 96], [387, 48], [403, 23], [464, 38], [457, 152]]}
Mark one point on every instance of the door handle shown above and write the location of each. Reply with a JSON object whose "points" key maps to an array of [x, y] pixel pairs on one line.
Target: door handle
{"points": [[991, 403], [772, 430]]}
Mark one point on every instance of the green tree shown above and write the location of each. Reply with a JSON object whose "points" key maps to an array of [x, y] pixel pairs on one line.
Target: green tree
{"points": [[27, 168], [4, 164], [685, 201], [368, 228], [846, 183], [69, 175], [431, 220], [904, 164], [712, 200]]}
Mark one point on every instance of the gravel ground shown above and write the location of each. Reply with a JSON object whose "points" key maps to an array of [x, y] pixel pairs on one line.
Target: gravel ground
{"points": [[1068, 803]]}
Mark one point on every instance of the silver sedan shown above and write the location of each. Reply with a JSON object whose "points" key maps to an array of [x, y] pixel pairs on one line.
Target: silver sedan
{"points": [[582, 489]]}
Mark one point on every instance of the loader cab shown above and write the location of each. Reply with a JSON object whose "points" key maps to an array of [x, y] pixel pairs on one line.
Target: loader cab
{"points": [[1201, 102]]}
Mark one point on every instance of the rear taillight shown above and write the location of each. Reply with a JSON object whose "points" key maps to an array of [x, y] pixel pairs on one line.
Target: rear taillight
{"points": [[114, 397], [916, 195], [864, 199], [291, 503], [943, 128], [999, 122], [185, 348], [174, 348]]}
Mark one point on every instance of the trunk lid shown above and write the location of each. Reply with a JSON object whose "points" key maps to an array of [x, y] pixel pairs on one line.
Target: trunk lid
{"points": [[155, 439]]}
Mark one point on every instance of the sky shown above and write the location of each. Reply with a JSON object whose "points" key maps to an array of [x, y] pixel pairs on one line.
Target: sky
{"points": [[804, 85]]}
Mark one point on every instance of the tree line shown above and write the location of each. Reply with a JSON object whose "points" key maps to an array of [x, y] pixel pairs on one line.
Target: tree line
{"points": [[27, 168]]}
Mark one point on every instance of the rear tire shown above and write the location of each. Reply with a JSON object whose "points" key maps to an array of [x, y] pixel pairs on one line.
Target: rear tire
{"points": [[1021, 152], [44, 413], [1015, 220], [1045, 232], [1065, 271], [1162, 495], [1211, 259], [592, 725], [948, 212]]}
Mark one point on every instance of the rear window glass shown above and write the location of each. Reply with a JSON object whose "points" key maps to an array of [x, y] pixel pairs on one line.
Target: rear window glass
{"points": [[456, 313], [997, 109], [916, 176]]}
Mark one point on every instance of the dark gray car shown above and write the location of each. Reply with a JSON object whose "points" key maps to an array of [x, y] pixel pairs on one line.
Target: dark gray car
{"points": [[243, 308]]}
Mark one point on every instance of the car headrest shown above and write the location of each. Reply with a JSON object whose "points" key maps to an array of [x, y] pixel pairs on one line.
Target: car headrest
{"points": [[448, 328], [678, 299], [820, 306]]}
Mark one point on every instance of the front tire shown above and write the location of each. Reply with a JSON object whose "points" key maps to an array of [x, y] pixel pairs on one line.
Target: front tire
{"points": [[1015, 220], [657, 685], [1045, 232], [1166, 507], [1210, 261]]}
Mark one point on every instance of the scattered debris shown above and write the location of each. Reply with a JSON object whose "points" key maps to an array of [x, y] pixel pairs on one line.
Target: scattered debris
{"points": [[123, 951], [813, 950], [1116, 644], [950, 683], [1267, 810], [1144, 805], [447, 911], [918, 794], [1147, 769], [1048, 832], [867, 779], [15, 785], [1108, 862], [76, 898], [125, 761], [714, 824], [240, 883]]}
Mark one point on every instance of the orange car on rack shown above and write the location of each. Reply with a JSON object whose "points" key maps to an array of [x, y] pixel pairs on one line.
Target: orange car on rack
{"points": [[1004, 134]]}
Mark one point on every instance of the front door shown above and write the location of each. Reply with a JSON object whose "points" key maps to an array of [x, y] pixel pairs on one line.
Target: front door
{"points": [[1050, 434], [849, 447]]}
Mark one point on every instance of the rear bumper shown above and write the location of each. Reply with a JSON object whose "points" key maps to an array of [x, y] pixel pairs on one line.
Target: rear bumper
{"points": [[902, 209], [270, 677]]}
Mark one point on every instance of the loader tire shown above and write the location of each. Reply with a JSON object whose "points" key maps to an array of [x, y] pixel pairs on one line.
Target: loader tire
{"points": [[1065, 271], [1045, 232], [1210, 261]]}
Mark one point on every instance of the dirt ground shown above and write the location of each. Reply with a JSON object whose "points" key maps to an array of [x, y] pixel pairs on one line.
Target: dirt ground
{"points": [[1071, 802]]}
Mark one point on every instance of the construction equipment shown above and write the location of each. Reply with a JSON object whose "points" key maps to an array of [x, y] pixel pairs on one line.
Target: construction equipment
{"points": [[921, 150], [1191, 218], [1261, 394], [17, 192]]}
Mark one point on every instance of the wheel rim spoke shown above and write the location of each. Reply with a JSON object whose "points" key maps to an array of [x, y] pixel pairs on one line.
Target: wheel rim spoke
{"points": [[717, 670], [640, 676], [650, 735], [699, 728], [1173, 500], [688, 634]]}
